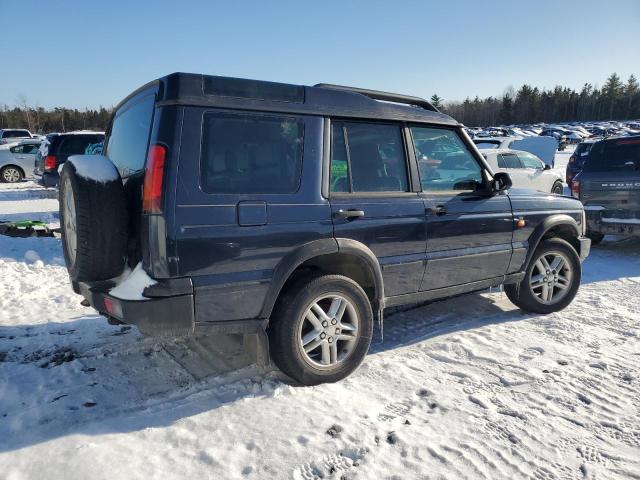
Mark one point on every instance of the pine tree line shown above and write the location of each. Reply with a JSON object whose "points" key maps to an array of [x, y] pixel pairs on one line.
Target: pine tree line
{"points": [[614, 101], [40, 120]]}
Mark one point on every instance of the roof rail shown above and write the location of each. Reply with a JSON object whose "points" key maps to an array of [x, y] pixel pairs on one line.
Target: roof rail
{"points": [[385, 96]]}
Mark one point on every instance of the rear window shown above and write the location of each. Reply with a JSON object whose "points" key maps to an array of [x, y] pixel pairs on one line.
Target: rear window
{"points": [[15, 134], [251, 153], [129, 136], [623, 154], [75, 144]]}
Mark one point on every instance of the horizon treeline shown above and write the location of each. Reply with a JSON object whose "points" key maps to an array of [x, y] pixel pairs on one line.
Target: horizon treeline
{"points": [[616, 100]]}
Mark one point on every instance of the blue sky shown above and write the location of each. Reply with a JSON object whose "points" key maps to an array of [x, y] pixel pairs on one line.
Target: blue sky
{"points": [[88, 53]]}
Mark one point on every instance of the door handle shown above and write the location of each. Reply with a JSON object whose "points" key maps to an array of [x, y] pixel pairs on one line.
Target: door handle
{"points": [[350, 213], [438, 210]]}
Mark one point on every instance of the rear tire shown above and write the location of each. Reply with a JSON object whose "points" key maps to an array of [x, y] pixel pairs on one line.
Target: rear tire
{"points": [[557, 188], [595, 237], [321, 329], [547, 287], [11, 174], [93, 222]]}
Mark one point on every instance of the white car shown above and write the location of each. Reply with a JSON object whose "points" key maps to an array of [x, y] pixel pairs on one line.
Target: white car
{"points": [[542, 147], [17, 160], [525, 169]]}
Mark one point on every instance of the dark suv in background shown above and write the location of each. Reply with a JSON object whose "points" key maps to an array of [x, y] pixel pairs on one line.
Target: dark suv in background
{"points": [[609, 187], [55, 150], [302, 212], [577, 159]]}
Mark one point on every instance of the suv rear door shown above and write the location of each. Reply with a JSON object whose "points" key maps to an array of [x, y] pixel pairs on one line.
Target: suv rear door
{"points": [[469, 231], [372, 200]]}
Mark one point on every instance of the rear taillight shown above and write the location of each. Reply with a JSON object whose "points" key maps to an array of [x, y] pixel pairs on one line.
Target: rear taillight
{"points": [[575, 189], [50, 162], [153, 178]]}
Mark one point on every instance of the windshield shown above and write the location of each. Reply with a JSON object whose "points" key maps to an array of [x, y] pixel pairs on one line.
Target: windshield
{"points": [[623, 154]]}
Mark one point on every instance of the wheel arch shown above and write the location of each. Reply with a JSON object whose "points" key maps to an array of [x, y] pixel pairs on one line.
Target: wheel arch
{"points": [[331, 256], [556, 226]]}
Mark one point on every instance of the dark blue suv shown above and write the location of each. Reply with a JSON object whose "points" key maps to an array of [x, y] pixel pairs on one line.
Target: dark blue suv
{"points": [[303, 212]]}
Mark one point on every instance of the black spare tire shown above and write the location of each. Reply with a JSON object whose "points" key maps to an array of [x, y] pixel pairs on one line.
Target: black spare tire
{"points": [[93, 218]]}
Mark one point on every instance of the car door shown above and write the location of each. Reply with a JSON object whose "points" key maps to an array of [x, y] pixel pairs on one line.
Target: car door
{"points": [[25, 156], [469, 230], [511, 164], [372, 201], [534, 168]]}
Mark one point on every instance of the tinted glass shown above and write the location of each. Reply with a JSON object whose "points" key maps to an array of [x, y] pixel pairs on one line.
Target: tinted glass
{"points": [[444, 161], [15, 134], [76, 144], [623, 154], [377, 159], [251, 153], [29, 149], [486, 145], [508, 160], [530, 161], [339, 168], [129, 137]]}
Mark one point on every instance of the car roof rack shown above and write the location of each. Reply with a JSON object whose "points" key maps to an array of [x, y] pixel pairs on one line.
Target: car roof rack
{"points": [[384, 96]]}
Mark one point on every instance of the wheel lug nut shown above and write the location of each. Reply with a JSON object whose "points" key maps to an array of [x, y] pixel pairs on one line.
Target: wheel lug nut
{"points": [[337, 331], [333, 321], [325, 324], [330, 339], [323, 335]]}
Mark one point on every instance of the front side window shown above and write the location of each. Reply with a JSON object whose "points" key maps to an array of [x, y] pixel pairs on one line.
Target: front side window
{"points": [[444, 161], [251, 153], [129, 136], [530, 161], [508, 160], [367, 157]]}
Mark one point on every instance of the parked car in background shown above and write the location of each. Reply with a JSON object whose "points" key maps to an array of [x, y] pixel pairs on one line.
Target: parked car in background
{"points": [[609, 187], [9, 135], [577, 158], [525, 169], [56, 149], [17, 159], [542, 147], [300, 213]]}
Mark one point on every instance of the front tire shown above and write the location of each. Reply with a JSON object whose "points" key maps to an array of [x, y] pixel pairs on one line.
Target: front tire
{"points": [[321, 329], [551, 279]]}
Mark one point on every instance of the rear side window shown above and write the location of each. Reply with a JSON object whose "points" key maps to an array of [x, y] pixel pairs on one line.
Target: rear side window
{"points": [[615, 155], [16, 134], [127, 144], [25, 149], [367, 157], [76, 144], [508, 160], [251, 153]]}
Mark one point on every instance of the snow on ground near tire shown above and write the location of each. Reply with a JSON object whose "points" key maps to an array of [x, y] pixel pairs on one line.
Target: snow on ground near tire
{"points": [[469, 387]]}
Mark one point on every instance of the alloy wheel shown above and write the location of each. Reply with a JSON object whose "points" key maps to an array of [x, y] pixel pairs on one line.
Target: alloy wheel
{"points": [[550, 277], [11, 175]]}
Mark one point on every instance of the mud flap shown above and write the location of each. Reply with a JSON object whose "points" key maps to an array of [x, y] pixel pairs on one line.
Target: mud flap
{"points": [[256, 348]]}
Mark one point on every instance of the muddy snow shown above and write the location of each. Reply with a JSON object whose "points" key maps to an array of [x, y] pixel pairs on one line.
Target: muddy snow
{"points": [[464, 388]]}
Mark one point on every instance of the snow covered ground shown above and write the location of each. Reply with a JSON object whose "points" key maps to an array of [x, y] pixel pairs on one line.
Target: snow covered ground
{"points": [[465, 388]]}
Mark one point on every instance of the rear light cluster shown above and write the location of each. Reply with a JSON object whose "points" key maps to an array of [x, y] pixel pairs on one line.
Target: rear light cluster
{"points": [[575, 189], [153, 179], [50, 162]]}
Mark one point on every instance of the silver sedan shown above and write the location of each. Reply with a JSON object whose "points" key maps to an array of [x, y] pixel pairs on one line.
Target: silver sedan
{"points": [[17, 160]]}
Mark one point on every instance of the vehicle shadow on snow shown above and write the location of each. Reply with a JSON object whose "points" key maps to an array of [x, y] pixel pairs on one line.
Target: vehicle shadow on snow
{"points": [[87, 377]]}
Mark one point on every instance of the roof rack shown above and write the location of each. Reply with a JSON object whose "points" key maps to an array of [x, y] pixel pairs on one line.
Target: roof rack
{"points": [[385, 96]]}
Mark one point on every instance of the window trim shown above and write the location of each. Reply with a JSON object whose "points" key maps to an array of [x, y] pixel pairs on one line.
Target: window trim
{"points": [[244, 113], [485, 169], [411, 192]]}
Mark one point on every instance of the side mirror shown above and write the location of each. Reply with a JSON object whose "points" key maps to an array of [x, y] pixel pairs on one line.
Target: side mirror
{"points": [[547, 167], [501, 182]]}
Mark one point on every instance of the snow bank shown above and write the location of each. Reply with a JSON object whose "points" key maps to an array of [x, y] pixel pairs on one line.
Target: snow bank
{"points": [[95, 167], [133, 285]]}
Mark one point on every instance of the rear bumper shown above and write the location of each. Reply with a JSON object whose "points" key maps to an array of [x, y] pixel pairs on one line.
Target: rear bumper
{"points": [[166, 316], [47, 179], [599, 223]]}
